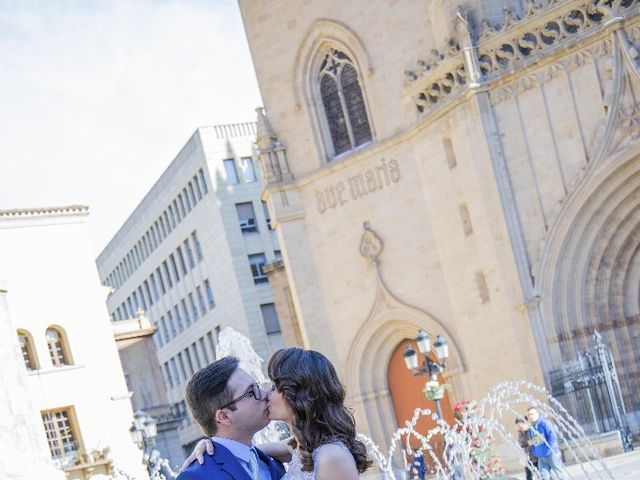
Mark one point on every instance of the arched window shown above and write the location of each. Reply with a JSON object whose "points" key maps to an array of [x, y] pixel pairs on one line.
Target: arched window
{"points": [[28, 352], [58, 348], [343, 102]]}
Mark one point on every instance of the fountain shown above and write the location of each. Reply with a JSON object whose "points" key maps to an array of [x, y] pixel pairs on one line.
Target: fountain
{"points": [[487, 419]]}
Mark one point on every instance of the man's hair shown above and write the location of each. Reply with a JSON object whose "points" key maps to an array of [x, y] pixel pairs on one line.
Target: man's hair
{"points": [[520, 419], [532, 408], [207, 392]]}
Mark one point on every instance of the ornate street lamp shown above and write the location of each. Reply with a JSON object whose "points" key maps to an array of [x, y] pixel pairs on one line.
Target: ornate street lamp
{"points": [[430, 368], [143, 431]]}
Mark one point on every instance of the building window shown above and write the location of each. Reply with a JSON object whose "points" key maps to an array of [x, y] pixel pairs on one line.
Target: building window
{"points": [[249, 170], [246, 217], [62, 436], [172, 324], [181, 364], [183, 266], [165, 330], [189, 362], [196, 182], [194, 309], [163, 229], [172, 217], [174, 267], [168, 376], [58, 348], [142, 299], [154, 285], [449, 153], [192, 194], [205, 188], [267, 216], [174, 370], [183, 210], [212, 345], [165, 269], [196, 244], [257, 262], [185, 311], [230, 170], [190, 258], [270, 318], [277, 254], [201, 302], [186, 199], [28, 352], [146, 288], [204, 352], [157, 337], [343, 103], [207, 287], [177, 211], [465, 218]]}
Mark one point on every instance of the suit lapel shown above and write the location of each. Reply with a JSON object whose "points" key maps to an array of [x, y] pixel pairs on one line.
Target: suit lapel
{"points": [[273, 466], [229, 463]]}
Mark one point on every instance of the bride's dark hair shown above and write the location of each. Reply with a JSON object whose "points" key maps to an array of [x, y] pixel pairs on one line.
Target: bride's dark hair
{"points": [[311, 389]]}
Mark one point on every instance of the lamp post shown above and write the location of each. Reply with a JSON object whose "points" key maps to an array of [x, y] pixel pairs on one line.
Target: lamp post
{"points": [[430, 368], [143, 431]]}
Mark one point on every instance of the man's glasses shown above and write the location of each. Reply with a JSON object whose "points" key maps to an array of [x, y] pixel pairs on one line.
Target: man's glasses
{"points": [[259, 392]]}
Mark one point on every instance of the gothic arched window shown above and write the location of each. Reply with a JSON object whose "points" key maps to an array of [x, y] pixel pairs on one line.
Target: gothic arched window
{"points": [[58, 348], [28, 352], [343, 103]]}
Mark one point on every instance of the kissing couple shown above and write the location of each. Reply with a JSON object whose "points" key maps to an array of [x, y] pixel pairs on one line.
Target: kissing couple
{"points": [[307, 394]]}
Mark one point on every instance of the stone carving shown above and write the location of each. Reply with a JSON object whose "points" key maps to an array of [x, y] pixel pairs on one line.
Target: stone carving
{"points": [[370, 244], [622, 124], [358, 185], [271, 153], [514, 44], [600, 50]]}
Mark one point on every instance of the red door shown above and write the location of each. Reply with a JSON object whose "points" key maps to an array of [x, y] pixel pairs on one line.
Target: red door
{"points": [[406, 395]]}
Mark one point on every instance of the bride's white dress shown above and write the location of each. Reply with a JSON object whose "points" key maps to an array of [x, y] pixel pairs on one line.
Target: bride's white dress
{"points": [[295, 467]]}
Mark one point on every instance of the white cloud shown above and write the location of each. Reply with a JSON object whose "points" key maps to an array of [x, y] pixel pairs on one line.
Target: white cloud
{"points": [[97, 97]]}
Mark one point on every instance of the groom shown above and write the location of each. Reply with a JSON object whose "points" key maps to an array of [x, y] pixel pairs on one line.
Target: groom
{"points": [[230, 408]]}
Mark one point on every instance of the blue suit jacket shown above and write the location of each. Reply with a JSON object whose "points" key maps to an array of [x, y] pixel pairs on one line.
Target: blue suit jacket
{"points": [[223, 465]]}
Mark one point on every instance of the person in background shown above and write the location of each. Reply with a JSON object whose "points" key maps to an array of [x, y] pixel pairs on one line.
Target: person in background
{"points": [[418, 467], [543, 440], [523, 439]]}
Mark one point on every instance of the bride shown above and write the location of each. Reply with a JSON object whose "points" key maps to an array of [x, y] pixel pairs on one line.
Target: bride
{"points": [[309, 397]]}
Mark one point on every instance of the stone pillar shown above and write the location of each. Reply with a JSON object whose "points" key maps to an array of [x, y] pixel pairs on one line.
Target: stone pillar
{"points": [[24, 453]]}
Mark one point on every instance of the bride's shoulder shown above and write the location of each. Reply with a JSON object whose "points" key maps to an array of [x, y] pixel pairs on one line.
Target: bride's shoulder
{"points": [[334, 457]]}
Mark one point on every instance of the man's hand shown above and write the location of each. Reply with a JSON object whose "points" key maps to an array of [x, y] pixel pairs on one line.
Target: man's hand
{"points": [[204, 445]]}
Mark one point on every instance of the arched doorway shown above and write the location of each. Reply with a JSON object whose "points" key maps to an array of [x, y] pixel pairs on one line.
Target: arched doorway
{"points": [[406, 395], [590, 279]]}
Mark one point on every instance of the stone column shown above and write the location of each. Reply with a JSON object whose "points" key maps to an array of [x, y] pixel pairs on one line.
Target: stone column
{"points": [[24, 453]]}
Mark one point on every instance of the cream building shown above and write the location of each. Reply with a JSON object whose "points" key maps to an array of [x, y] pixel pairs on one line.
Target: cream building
{"points": [[73, 375], [469, 168], [191, 255]]}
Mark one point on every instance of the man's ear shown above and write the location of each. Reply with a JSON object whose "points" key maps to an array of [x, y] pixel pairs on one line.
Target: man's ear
{"points": [[222, 417]]}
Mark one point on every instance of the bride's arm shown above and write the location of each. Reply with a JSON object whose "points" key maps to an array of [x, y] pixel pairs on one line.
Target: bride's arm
{"points": [[335, 463], [278, 450]]}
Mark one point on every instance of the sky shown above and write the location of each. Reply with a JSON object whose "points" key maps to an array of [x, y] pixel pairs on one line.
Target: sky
{"points": [[98, 96]]}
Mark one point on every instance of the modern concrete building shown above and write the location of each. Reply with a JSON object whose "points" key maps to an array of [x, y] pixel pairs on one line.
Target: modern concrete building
{"points": [[67, 351], [191, 255], [469, 168]]}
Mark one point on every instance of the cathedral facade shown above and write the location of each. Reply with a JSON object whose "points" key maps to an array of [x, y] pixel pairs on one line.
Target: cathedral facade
{"points": [[467, 168]]}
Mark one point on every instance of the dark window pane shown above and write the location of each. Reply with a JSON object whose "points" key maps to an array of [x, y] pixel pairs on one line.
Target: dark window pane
{"points": [[356, 110], [335, 115]]}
